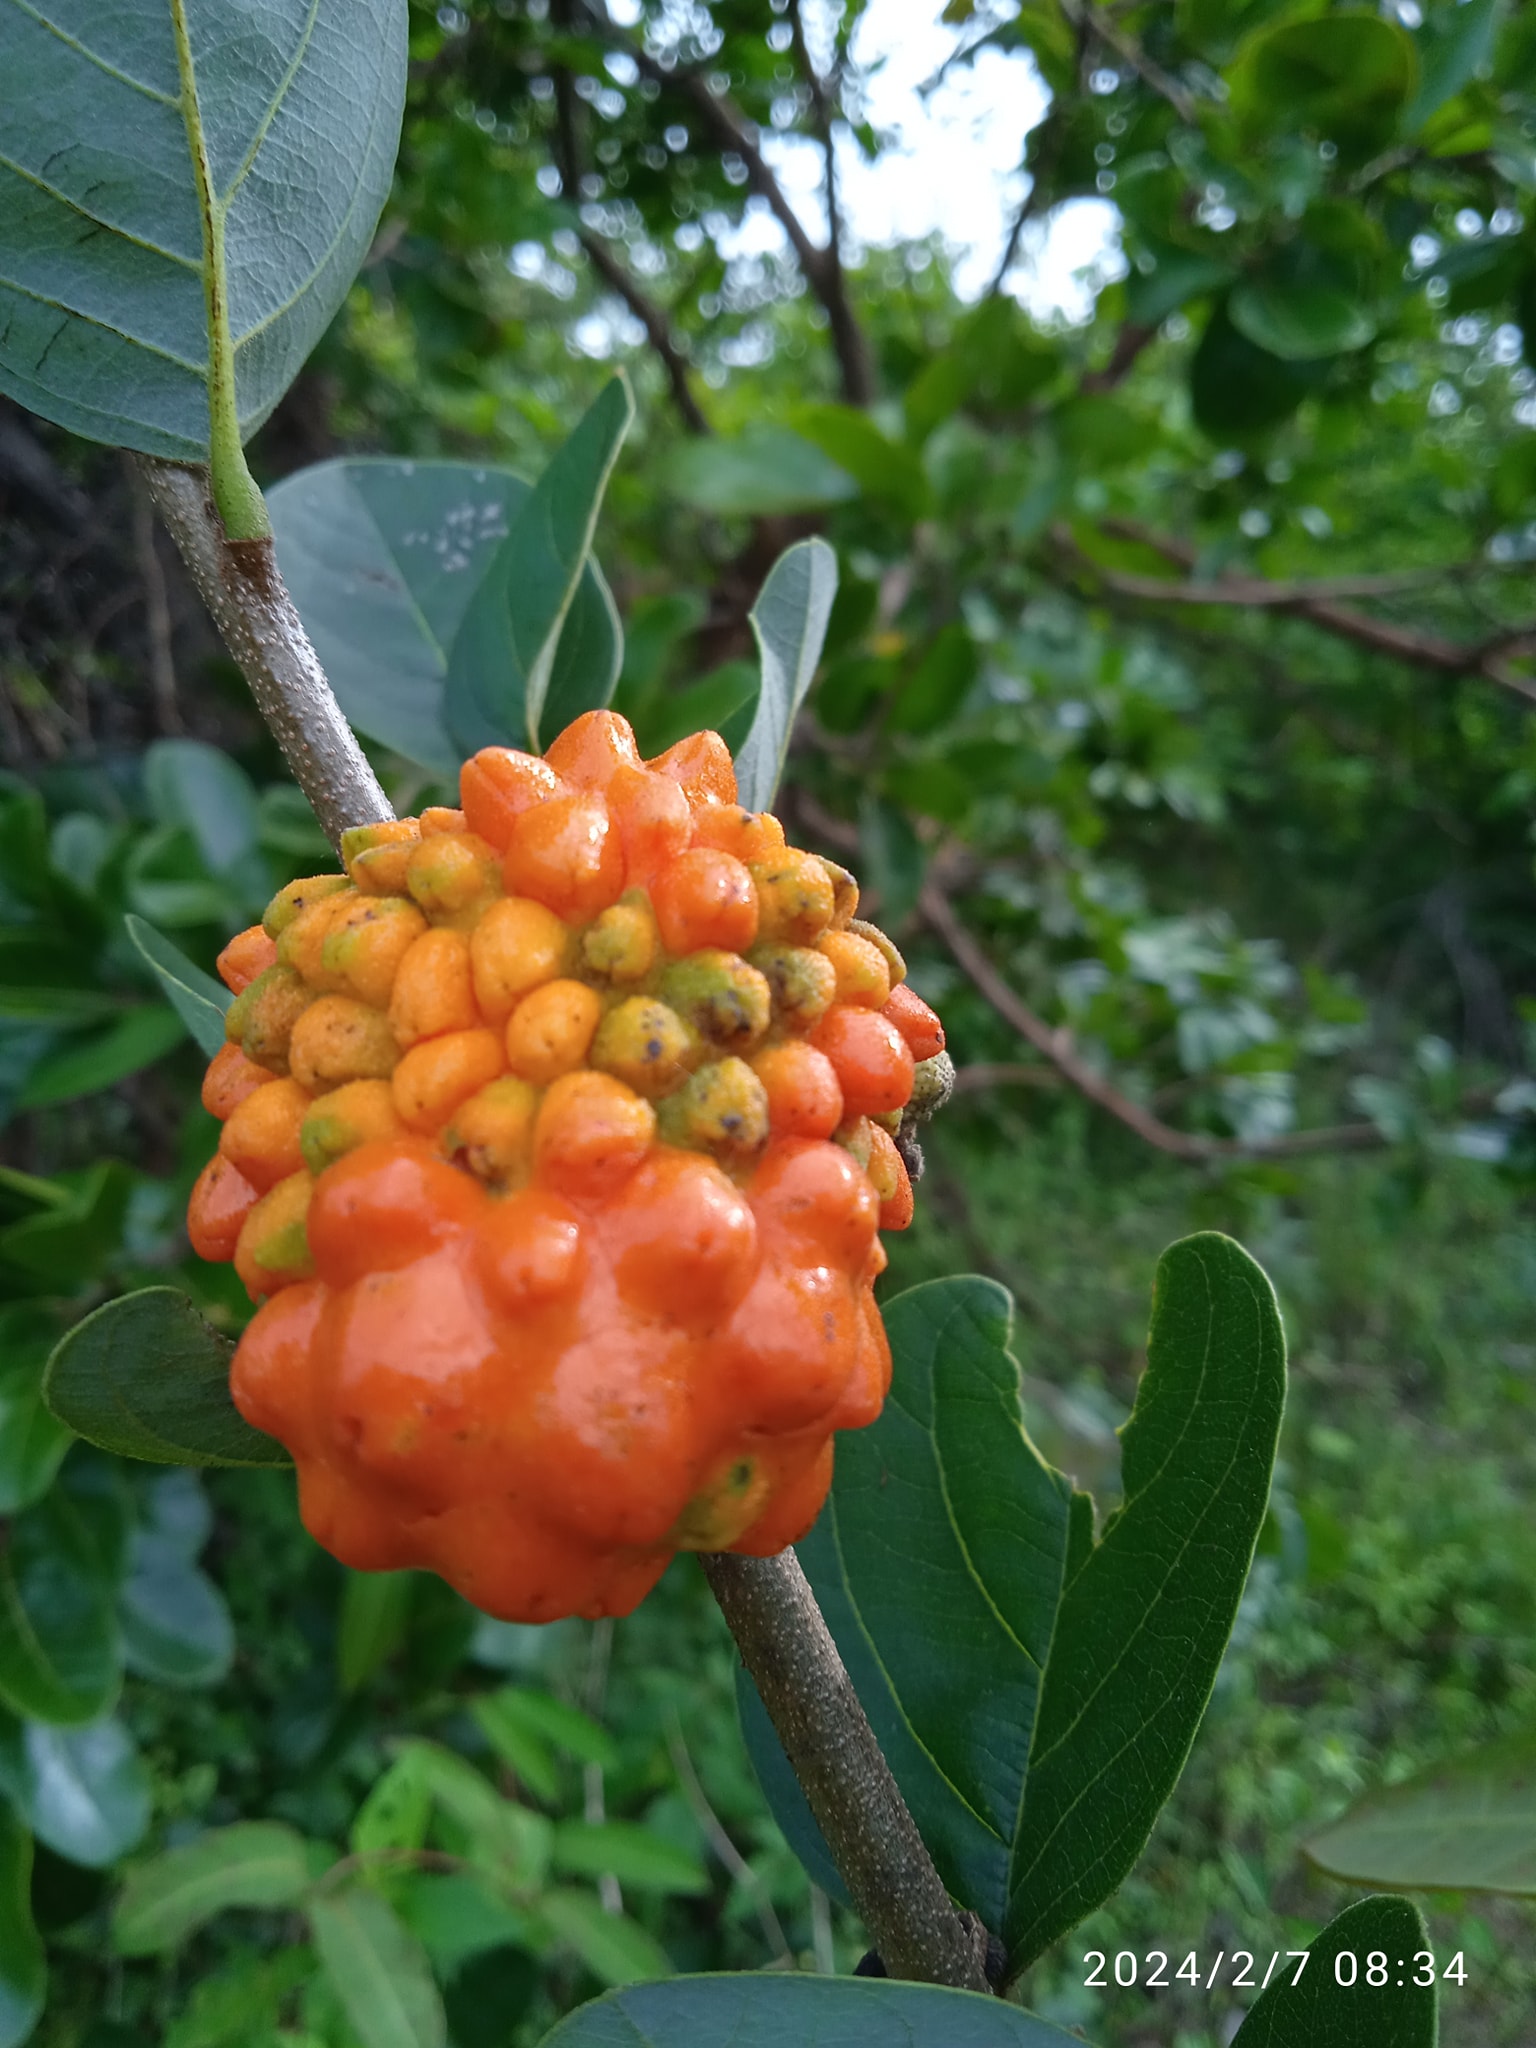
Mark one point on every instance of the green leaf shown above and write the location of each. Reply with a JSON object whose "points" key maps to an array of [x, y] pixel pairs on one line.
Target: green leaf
{"points": [[1173, 278], [755, 2010], [1299, 322], [138, 1038], [148, 1378], [32, 1443], [1345, 76], [58, 1630], [374, 1608], [631, 1853], [934, 690], [201, 790], [23, 1965], [521, 1748], [502, 1835], [397, 1810], [1237, 388], [564, 1726], [938, 1563], [83, 1791], [382, 559], [69, 1243], [379, 1971], [1468, 1825], [789, 623], [884, 470], [613, 1948], [258, 1864], [502, 662], [284, 156], [197, 998], [764, 471], [176, 1628], [1322, 2012], [1455, 45], [1146, 1613]]}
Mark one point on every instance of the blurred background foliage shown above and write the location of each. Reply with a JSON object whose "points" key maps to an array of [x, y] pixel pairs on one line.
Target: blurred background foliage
{"points": [[1177, 713]]}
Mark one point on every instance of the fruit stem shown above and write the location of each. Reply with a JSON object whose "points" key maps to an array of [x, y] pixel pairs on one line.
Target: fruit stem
{"points": [[786, 1645], [241, 586]]}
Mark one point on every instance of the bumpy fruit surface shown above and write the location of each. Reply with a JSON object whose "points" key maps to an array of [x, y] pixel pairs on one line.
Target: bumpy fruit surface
{"points": [[556, 1148]]}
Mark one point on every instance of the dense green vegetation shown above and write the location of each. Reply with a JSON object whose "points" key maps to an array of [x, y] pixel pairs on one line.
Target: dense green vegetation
{"points": [[1181, 666]]}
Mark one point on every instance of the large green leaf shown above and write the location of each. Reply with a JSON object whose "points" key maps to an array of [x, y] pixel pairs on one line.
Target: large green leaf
{"points": [[502, 665], [938, 1564], [1237, 388], [760, 2011], [763, 471], [32, 1443], [257, 1864], [148, 1378], [382, 559], [379, 1971], [83, 1791], [197, 998], [375, 1607], [23, 1966], [1334, 2005], [138, 1037], [614, 1948], [157, 165], [1036, 1692], [1454, 45], [633, 1854], [789, 622], [59, 1647], [1299, 322], [1469, 1825], [176, 1628], [1146, 1611], [1345, 76], [886, 471]]}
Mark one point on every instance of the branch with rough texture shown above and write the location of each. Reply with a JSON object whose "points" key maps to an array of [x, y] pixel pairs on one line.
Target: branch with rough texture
{"points": [[1319, 602], [617, 275], [1058, 1047], [900, 1897], [822, 116], [240, 584], [606, 261], [735, 133], [1130, 52]]}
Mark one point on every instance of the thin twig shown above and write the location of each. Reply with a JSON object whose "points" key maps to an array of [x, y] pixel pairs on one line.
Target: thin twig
{"points": [[594, 1805], [736, 134], [604, 258], [1319, 602], [786, 1645], [1130, 52], [719, 1840], [658, 333], [240, 584], [1058, 1047]]}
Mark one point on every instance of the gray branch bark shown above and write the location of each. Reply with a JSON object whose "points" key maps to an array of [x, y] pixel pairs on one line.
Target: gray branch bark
{"points": [[240, 584], [789, 1651]]}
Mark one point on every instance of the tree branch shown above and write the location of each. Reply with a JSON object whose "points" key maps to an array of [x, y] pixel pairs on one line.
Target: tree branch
{"points": [[900, 1897], [241, 587], [658, 333], [735, 133], [1058, 1047], [1130, 52], [607, 263], [1319, 602]]}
